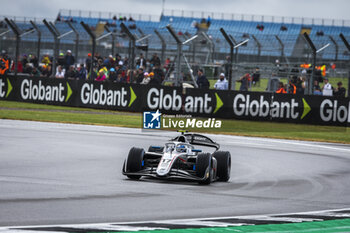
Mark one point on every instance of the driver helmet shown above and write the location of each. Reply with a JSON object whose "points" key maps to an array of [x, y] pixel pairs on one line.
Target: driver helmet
{"points": [[181, 148]]}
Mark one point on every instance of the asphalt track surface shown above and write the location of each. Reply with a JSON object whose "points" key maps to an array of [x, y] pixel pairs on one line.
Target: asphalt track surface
{"points": [[69, 174]]}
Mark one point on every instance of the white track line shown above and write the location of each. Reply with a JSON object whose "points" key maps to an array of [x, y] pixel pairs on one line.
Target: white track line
{"points": [[174, 221]]}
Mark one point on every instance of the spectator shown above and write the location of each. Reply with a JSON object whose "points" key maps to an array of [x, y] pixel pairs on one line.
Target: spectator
{"points": [[125, 62], [5, 63], [327, 89], [35, 72], [60, 72], [100, 63], [222, 83], [146, 78], [155, 61], [340, 91], [112, 61], [46, 70], [317, 88], [93, 75], [244, 80], [167, 64], [292, 89], [202, 81], [299, 85], [70, 73], [260, 27], [28, 68], [82, 72], [61, 61], [139, 75], [19, 66], [129, 77], [34, 60], [203, 25], [117, 58], [320, 33], [113, 76], [158, 73], [46, 59], [101, 76], [69, 59], [24, 60], [153, 80], [141, 62], [281, 89], [88, 62], [256, 76], [284, 28]]}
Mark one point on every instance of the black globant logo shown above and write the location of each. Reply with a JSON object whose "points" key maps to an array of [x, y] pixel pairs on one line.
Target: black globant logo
{"points": [[152, 120]]}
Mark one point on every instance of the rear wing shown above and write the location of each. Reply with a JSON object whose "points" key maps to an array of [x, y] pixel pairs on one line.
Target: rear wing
{"points": [[199, 140]]}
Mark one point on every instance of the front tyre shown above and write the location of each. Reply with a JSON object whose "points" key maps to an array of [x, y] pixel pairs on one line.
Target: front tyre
{"points": [[223, 159], [204, 168], [134, 162]]}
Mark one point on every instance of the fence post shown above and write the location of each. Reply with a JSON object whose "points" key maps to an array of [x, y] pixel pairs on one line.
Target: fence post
{"points": [[39, 37], [132, 40], [336, 47], [179, 50], [76, 39], [211, 47], [282, 46], [347, 45], [55, 52], [235, 49], [229, 41], [163, 44], [93, 39], [259, 46], [310, 90], [143, 35], [113, 38]]}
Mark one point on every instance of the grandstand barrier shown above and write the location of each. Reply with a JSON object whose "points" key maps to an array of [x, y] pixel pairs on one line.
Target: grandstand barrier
{"points": [[255, 106]]}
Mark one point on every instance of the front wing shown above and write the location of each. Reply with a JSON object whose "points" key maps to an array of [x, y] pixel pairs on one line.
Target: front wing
{"points": [[174, 173]]}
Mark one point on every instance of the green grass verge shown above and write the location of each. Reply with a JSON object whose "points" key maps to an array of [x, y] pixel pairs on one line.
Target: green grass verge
{"points": [[50, 113], [330, 226]]}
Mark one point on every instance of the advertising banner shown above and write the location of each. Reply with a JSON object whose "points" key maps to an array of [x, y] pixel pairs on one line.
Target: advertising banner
{"points": [[256, 106]]}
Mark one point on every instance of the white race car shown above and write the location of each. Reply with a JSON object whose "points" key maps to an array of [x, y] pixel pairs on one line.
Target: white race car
{"points": [[178, 159]]}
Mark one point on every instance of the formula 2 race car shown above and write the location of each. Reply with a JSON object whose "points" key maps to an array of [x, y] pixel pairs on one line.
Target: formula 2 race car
{"points": [[178, 159]]}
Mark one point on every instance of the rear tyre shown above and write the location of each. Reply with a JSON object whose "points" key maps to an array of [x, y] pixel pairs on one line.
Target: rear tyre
{"points": [[158, 150], [134, 162], [223, 159], [204, 167]]}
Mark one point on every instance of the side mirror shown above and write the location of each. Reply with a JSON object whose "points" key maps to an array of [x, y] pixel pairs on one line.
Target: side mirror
{"points": [[196, 150], [156, 147]]}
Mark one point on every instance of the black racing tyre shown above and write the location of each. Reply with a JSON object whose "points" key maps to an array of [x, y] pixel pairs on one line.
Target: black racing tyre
{"points": [[203, 162], [223, 159], [134, 162], [152, 149]]}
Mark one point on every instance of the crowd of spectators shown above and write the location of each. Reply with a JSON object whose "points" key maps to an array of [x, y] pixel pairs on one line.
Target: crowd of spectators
{"points": [[111, 68], [298, 84], [152, 71]]}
